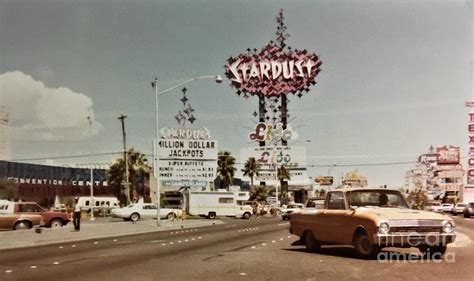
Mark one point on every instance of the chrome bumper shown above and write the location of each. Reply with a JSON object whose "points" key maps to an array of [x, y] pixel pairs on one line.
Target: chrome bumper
{"points": [[413, 239]]}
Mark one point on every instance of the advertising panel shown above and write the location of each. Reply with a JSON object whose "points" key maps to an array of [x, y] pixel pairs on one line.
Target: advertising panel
{"points": [[292, 157], [187, 160], [448, 155]]}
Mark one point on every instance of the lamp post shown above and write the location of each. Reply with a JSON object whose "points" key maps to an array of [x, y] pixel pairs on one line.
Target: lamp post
{"points": [[158, 93], [93, 166]]}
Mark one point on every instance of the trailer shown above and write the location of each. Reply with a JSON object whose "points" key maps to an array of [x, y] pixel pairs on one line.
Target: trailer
{"points": [[211, 204]]}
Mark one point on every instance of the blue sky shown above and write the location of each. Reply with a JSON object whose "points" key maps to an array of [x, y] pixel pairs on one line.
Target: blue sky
{"points": [[394, 78]]}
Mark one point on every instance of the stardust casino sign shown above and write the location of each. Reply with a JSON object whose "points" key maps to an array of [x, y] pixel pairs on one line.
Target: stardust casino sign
{"points": [[187, 155], [273, 71]]}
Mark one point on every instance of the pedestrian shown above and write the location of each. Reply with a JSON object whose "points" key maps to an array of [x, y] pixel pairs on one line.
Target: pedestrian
{"points": [[77, 215]]}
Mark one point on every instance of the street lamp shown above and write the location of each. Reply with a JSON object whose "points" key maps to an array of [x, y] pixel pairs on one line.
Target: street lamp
{"points": [[93, 166], [158, 93]]}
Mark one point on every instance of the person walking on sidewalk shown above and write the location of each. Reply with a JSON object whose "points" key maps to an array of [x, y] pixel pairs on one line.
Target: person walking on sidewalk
{"points": [[77, 216]]}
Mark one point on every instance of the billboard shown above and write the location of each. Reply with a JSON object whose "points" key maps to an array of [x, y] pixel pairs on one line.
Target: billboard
{"points": [[292, 157], [448, 155], [187, 159]]}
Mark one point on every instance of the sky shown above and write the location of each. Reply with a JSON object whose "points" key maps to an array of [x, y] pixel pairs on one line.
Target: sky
{"points": [[394, 79]]}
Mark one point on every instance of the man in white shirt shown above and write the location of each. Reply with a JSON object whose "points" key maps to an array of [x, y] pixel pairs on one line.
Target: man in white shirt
{"points": [[77, 215]]}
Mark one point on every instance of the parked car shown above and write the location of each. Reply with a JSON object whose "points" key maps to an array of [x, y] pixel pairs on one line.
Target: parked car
{"points": [[137, 211], [434, 207], [469, 210], [447, 207], [289, 209], [458, 208], [49, 218], [19, 221]]}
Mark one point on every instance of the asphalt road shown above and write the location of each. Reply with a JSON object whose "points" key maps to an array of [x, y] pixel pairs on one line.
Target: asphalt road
{"points": [[256, 249]]}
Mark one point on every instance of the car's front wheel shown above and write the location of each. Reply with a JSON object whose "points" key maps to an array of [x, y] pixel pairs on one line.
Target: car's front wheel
{"points": [[56, 223], [171, 216], [467, 215], [135, 217], [364, 249], [246, 216]]}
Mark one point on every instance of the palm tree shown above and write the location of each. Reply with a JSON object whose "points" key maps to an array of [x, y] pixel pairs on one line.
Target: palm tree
{"points": [[283, 174], [259, 193], [138, 169], [225, 168], [251, 168]]}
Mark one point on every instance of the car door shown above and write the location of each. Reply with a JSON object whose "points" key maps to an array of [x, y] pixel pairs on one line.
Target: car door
{"points": [[336, 219], [149, 211]]}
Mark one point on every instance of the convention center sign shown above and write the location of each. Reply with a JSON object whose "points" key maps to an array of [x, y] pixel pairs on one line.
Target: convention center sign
{"points": [[29, 175]]}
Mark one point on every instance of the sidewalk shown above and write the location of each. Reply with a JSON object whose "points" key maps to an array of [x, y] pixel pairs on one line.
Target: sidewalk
{"points": [[101, 228]]}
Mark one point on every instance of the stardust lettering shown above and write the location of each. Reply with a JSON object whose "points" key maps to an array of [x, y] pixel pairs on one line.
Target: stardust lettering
{"points": [[270, 70]]}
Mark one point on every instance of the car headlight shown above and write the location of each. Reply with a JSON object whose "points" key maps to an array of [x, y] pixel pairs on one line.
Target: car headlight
{"points": [[384, 228], [448, 227]]}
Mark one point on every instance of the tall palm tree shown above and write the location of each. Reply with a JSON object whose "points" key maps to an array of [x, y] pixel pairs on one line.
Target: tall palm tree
{"points": [[225, 168], [283, 174], [138, 169], [251, 168]]}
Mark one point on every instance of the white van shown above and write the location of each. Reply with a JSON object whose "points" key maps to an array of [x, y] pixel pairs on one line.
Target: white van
{"points": [[85, 202]]}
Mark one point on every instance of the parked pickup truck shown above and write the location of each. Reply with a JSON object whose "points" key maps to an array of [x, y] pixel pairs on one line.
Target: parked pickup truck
{"points": [[371, 219], [49, 218]]}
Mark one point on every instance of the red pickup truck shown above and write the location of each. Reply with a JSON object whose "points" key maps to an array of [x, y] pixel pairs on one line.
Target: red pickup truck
{"points": [[50, 218]]}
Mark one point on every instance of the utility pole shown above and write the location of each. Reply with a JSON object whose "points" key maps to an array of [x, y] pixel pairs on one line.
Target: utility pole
{"points": [[127, 184]]}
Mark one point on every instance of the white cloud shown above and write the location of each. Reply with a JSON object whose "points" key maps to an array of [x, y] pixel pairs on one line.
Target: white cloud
{"points": [[37, 112]]}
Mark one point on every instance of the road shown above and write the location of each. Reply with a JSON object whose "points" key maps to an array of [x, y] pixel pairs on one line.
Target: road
{"points": [[255, 249]]}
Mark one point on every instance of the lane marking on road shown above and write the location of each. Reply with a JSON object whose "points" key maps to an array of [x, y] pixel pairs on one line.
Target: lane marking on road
{"points": [[33, 267], [273, 241], [60, 247], [171, 243], [263, 244], [56, 263], [253, 247], [186, 240], [95, 243], [74, 246], [199, 237], [156, 241], [124, 242], [281, 224], [163, 244], [289, 236], [281, 239], [8, 271], [242, 273], [179, 241], [171, 232]]}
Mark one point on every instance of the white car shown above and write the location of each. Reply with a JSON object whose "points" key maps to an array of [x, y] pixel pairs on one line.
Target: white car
{"points": [[459, 208], [447, 207], [291, 208], [137, 211], [434, 207]]}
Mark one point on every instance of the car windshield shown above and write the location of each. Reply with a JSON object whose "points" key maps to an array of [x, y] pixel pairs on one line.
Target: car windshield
{"points": [[383, 198]]}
